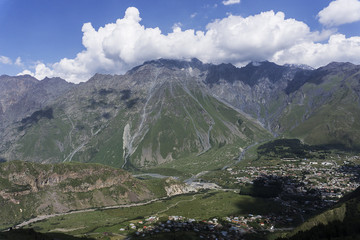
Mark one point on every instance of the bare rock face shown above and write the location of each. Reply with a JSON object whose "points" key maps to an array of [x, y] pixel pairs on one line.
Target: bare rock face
{"points": [[44, 189], [22, 95], [174, 187], [13, 88], [166, 110], [155, 114], [78, 179], [39, 95], [254, 89]]}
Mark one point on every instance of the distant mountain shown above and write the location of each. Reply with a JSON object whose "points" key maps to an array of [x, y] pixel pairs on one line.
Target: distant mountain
{"points": [[12, 89], [318, 106], [183, 115], [22, 95]]}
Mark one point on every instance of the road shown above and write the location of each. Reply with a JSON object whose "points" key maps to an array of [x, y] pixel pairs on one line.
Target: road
{"points": [[154, 175], [43, 217], [195, 177]]}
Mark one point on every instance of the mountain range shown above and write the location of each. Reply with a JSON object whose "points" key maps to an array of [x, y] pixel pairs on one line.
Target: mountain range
{"points": [[181, 116]]}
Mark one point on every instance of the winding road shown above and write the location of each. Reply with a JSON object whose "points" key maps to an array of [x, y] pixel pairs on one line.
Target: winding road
{"points": [[43, 217]]}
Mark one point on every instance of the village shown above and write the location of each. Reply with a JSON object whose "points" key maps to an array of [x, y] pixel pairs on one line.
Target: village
{"points": [[306, 186], [330, 179], [297, 187], [224, 228]]}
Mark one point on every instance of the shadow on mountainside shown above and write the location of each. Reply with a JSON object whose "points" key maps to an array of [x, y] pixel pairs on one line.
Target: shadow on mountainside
{"points": [[333, 226], [293, 200], [353, 170], [31, 234], [299, 202], [273, 186]]}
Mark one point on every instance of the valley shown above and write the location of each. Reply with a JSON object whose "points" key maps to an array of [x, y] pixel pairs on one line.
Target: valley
{"points": [[276, 194], [172, 120], [197, 208], [179, 148]]}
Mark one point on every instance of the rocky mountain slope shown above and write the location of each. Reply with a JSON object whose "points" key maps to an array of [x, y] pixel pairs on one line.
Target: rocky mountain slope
{"points": [[12, 88], [31, 189], [155, 114], [20, 96], [318, 106], [185, 114]]}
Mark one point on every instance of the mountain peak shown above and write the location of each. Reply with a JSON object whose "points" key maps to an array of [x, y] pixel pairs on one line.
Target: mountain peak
{"points": [[54, 80], [249, 74], [338, 65], [173, 64], [176, 63], [20, 77], [301, 66]]}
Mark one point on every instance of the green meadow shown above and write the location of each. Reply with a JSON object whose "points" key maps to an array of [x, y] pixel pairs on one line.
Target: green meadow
{"points": [[201, 206]]}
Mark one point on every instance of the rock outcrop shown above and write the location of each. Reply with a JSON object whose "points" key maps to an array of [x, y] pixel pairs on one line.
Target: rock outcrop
{"points": [[44, 189]]}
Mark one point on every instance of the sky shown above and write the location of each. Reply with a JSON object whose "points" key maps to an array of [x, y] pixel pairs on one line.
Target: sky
{"points": [[76, 39]]}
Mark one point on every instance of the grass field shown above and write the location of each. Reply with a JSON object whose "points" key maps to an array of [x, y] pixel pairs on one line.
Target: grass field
{"points": [[200, 206]]}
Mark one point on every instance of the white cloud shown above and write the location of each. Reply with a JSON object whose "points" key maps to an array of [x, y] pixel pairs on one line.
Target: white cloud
{"points": [[26, 72], [18, 61], [117, 47], [177, 26], [229, 2], [340, 12], [42, 71], [338, 48], [258, 37], [5, 60], [193, 15]]}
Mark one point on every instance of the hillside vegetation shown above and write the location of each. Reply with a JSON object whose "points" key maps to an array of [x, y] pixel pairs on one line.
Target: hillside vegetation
{"points": [[340, 222], [30, 189], [169, 116]]}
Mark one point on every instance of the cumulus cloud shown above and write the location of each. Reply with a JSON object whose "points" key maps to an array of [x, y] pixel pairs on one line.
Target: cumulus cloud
{"points": [[340, 12], [230, 2], [26, 72], [5, 60], [117, 47], [177, 26], [338, 48], [258, 37], [43, 71]]}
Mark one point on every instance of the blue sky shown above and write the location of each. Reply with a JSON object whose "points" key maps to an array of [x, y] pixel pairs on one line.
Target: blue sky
{"points": [[46, 38]]}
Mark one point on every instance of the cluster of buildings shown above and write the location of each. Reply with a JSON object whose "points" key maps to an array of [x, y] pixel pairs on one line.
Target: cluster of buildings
{"points": [[226, 228], [306, 186], [326, 177]]}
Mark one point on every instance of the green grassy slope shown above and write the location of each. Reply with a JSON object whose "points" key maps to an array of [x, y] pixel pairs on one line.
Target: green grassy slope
{"points": [[328, 114], [170, 118], [192, 131], [340, 222], [201, 206]]}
